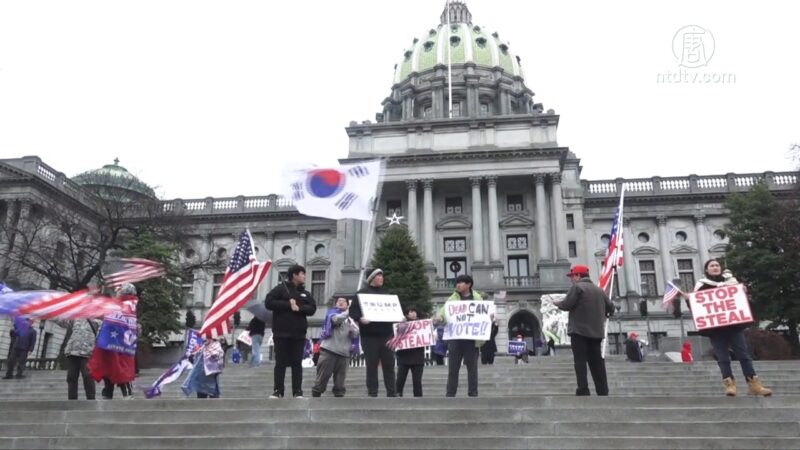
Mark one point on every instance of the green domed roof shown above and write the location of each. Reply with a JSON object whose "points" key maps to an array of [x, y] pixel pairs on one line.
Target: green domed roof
{"points": [[467, 42], [116, 177]]}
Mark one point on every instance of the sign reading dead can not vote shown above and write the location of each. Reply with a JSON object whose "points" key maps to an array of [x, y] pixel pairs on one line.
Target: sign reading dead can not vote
{"points": [[720, 307], [380, 308], [468, 319]]}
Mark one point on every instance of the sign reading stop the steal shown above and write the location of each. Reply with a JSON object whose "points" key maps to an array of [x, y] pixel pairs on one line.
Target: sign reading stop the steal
{"points": [[720, 307]]}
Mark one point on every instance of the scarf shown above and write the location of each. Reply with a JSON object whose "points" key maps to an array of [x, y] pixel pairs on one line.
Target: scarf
{"points": [[327, 326]]}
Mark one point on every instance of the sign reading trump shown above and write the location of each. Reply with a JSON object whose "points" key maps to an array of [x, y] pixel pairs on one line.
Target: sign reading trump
{"points": [[468, 319], [720, 307], [380, 308]]}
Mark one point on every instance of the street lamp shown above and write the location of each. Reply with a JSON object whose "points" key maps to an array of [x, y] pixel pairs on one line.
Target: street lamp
{"points": [[39, 344]]}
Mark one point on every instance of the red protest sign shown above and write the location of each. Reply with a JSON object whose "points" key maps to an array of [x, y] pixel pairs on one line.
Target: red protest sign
{"points": [[413, 334], [720, 307]]}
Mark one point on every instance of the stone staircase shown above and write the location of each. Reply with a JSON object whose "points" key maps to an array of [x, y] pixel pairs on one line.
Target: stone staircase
{"points": [[652, 405]]}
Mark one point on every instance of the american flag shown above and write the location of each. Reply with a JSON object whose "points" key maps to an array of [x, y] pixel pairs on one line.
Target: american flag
{"points": [[670, 292], [83, 304], [135, 270], [242, 277], [614, 253]]}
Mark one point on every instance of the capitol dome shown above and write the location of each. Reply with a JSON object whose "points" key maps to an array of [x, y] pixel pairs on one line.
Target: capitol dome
{"points": [[484, 78], [115, 178], [468, 43]]}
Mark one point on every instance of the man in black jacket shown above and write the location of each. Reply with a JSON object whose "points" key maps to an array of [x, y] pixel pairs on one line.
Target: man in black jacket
{"points": [[588, 308], [291, 304], [374, 336]]}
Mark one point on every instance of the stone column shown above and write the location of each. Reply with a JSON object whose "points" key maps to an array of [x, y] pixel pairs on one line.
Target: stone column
{"points": [[412, 210], [427, 211], [477, 222], [667, 270], [542, 240], [590, 248], [494, 221], [350, 244], [702, 245], [9, 235], [300, 254], [560, 245], [629, 263]]}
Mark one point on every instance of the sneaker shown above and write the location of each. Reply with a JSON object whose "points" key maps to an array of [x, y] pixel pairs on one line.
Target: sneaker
{"points": [[8, 377], [298, 396], [276, 395]]}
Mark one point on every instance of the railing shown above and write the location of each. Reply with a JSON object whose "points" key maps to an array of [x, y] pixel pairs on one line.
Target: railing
{"points": [[530, 281], [227, 205], [509, 282], [730, 182], [35, 166], [35, 364]]}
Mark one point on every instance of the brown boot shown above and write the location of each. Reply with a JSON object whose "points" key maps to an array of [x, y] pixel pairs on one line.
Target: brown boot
{"points": [[730, 387], [756, 388]]}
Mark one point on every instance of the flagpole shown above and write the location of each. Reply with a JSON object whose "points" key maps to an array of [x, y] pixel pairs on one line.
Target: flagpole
{"points": [[371, 224], [449, 65]]}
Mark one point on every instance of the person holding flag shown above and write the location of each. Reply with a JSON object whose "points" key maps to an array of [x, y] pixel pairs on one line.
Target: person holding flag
{"points": [[291, 305], [112, 360]]}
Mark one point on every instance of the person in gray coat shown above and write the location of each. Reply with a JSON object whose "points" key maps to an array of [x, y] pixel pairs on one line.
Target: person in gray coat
{"points": [[337, 336], [78, 350], [588, 308]]}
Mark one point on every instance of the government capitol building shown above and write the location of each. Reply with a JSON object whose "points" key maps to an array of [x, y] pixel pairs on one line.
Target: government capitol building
{"points": [[489, 192]]}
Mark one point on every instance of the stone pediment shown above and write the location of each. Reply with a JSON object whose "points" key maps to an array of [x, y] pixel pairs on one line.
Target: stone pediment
{"points": [[517, 221], [11, 172], [683, 250], [284, 262], [454, 223], [719, 248], [646, 250], [318, 261], [386, 224]]}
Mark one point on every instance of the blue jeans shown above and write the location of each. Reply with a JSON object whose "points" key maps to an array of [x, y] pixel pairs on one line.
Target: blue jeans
{"points": [[724, 339], [255, 360]]}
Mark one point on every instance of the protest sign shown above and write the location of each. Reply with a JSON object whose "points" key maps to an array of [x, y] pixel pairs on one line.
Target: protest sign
{"points": [[380, 308], [244, 338], [517, 347], [118, 333], [468, 319], [720, 307], [413, 334]]}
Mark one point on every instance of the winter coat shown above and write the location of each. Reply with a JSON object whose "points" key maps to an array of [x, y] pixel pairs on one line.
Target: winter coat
{"points": [[285, 322], [588, 308], [84, 334], [344, 330], [25, 341], [633, 350], [372, 329], [256, 327]]}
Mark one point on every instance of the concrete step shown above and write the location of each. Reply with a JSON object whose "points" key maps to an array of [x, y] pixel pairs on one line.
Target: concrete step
{"points": [[399, 442]]}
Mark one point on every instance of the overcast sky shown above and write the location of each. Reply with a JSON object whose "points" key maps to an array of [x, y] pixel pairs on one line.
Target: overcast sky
{"points": [[211, 98]]}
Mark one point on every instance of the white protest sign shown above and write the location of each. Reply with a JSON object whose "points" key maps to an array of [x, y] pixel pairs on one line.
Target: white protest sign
{"points": [[245, 338], [413, 334], [720, 307], [468, 319], [380, 308]]}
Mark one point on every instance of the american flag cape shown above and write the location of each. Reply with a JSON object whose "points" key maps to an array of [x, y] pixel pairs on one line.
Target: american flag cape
{"points": [[614, 253], [242, 277], [134, 270]]}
